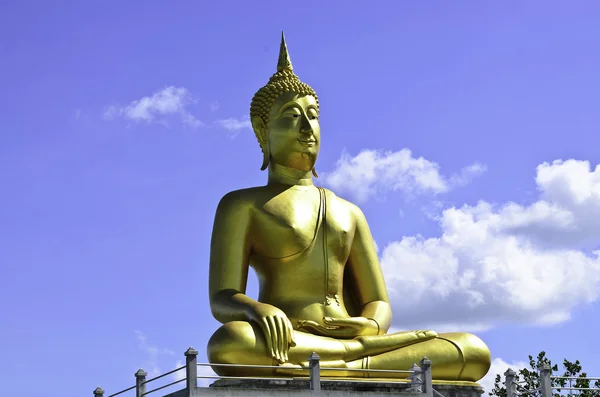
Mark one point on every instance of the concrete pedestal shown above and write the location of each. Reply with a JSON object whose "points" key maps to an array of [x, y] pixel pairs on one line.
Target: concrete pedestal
{"points": [[344, 388], [350, 387]]}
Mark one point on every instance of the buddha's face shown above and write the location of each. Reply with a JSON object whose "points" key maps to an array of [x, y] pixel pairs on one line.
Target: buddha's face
{"points": [[294, 132]]}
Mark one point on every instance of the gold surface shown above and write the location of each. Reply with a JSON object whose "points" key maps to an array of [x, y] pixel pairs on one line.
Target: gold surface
{"points": [[321, 288]]}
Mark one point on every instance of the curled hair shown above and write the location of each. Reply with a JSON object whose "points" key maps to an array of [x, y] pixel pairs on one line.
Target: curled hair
{"points": [[279, 83]]}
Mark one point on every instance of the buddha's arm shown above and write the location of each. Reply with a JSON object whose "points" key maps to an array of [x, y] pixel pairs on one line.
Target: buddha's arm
{"points": [[368, 277], [229, 253]]}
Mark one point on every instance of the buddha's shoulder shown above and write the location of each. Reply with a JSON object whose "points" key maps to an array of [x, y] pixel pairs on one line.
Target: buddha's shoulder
{"points": [[243, 198], [344, 204]]}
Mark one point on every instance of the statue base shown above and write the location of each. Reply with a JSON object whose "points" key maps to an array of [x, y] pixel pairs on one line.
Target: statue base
{"points": [[342, 388], [338, 388], [350, 387]]}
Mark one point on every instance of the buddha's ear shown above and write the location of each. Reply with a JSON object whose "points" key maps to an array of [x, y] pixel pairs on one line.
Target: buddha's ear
{"points": [[262, 134]]}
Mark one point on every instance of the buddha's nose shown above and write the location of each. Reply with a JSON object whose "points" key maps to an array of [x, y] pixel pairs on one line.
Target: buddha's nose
{"points": [[305, 127]]}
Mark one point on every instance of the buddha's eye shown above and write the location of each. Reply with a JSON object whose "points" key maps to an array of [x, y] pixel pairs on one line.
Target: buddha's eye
{"points": [[294, 115]]}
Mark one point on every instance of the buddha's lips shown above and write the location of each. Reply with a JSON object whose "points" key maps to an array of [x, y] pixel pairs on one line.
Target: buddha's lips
{"points": [[308, 143]]}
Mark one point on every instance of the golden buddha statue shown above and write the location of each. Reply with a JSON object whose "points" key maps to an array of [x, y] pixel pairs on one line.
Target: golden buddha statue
{"points": [[321, 288]]}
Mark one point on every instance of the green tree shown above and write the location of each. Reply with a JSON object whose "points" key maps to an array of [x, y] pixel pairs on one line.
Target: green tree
{"points": [[530, 379]]}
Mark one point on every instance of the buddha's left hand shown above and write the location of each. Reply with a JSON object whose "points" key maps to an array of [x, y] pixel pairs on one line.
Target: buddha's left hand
{"points": [[341, 327]]}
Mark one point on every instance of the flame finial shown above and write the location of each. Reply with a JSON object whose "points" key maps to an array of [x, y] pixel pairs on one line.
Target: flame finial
{"points": [[284, 62]]}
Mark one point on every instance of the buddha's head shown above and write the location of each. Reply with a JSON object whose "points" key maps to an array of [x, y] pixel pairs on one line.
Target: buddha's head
{"points": [[285, 118]]}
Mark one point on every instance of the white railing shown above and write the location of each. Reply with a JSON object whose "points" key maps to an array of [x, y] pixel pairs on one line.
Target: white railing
{"points": [[551, 386], [419, 376]]}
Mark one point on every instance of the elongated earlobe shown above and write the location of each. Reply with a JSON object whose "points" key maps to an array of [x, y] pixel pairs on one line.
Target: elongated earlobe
{"points": [[262, 134], [314, 172], [266, 157]]}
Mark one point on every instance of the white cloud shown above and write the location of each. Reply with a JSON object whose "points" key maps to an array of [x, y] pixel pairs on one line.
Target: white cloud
{"points": [[76, 116], [155, 357], [374, 172], [179, 375], [233, 124], [499, 367], [166, 102], [153, 354], [510, 263], [467, 174]]}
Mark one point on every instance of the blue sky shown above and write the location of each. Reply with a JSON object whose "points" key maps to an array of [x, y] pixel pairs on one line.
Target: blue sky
{"points": [[124, 123]]}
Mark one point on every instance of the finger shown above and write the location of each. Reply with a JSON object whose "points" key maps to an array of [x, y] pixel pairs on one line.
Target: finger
{"points": [[343, 322], [311, 327], [273, 329], [336, 321], [308, 324], [274, 337], [290, 330], [318, 329], [288, 340], [430, 334], [283, 341], [281, 337], [321, 327], [426, 334], [265, 327], [338, 332]]}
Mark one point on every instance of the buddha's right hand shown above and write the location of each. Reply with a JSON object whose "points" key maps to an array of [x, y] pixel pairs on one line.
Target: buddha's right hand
{"points": [[276, 327]]}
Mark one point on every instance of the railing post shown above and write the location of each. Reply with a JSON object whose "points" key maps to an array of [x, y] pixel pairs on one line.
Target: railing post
{"points": [[314, 371], [98, 392], [140, 383], [191, 370], [546, 380], [416, 381], [509, 382], [426, 377]]}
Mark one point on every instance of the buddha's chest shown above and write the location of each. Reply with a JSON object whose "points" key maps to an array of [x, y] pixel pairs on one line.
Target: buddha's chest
{"points": [[293, 221]]}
